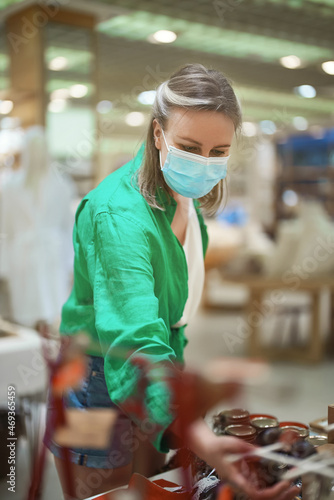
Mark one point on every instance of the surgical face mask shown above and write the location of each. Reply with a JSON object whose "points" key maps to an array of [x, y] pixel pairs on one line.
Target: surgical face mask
{"points": [[192, 175]]}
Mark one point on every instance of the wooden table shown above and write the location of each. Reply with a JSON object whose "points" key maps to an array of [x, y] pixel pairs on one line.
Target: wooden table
{"points": [[259, 286]]}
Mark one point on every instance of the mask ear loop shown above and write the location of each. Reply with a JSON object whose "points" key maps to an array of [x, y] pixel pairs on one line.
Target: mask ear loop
{"points": [[161, 167], [164, 139], [160, 149]]}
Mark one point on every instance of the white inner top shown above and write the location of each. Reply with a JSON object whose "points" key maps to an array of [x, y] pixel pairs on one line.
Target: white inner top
{"points": [[193, 250]]}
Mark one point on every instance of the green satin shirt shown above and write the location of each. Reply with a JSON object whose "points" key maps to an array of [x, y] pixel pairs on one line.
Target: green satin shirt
{"points": [[130, 286]]}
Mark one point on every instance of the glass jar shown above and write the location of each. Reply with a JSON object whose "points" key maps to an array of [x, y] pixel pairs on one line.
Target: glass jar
{"points": [[245, 432], [317, 440], [237, 416], [264, 422], [301, 429]]}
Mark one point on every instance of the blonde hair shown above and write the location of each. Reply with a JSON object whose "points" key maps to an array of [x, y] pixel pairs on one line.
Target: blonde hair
{"points": [[192, 87]]}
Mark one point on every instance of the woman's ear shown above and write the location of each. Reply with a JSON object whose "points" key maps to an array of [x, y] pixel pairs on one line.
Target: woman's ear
{"points": [[157, 134]]}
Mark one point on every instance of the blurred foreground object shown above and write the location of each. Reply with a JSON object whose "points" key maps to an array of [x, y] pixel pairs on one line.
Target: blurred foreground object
{"points": [[193, 393], [86, 429], [36, 226]]}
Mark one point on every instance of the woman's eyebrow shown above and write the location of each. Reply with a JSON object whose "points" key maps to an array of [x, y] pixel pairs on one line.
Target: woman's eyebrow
{"points": [[196, 142]]}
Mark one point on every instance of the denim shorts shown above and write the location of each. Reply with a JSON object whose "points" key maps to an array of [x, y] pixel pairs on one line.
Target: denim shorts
{"points": [[94, 394]]}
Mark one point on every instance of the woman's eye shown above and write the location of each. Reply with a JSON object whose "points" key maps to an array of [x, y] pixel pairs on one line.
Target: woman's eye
{"points": [[189, 148], [216, 152]]}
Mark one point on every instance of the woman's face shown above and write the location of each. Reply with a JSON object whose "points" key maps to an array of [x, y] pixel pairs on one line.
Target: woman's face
{"points": [[206, 133]]}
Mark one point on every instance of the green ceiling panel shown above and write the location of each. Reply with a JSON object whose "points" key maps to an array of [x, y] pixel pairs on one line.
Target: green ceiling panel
{"points": [[8, 3], [78, 60], [57, 83], [215, 40], [4, 83], [281, 116], [299, 4], [4, 63], [280, 100], [323, 6]]}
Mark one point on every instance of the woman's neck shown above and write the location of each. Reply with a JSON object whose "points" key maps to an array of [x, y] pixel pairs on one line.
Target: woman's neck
{"points": [[179, 198], [181, 216]]}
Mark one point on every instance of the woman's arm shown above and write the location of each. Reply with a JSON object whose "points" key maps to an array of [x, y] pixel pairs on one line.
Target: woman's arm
{"points": [[214, 450], [128, 318]]}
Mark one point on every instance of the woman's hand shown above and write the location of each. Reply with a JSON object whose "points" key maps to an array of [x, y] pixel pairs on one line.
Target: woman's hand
{"points": [[215, 449]]}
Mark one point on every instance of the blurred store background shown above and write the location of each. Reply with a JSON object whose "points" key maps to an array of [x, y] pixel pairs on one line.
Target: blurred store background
{"points": [[77, 79]]}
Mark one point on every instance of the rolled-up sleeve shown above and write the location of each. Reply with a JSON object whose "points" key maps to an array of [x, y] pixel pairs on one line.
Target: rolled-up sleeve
{"points": [[128, 323]]}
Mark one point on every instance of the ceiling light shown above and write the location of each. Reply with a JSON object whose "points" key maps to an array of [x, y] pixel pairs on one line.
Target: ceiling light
{"points": [[11, 141], [306, 91], [291, 62], [147, 97], [78, 90], [163, 36], [268, 127], [249, 129], [6, 107], [300, 123], [57, 105], [103, 107], [290, 198], [60, 94], [58, 63], [135, 119], [328, 67], [11, 122]]}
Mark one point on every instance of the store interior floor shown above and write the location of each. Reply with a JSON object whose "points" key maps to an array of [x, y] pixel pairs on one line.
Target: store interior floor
{"points": [[292, 391]]}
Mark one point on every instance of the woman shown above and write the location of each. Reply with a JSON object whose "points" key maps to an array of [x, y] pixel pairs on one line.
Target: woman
{"points": [[139, 241]]}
